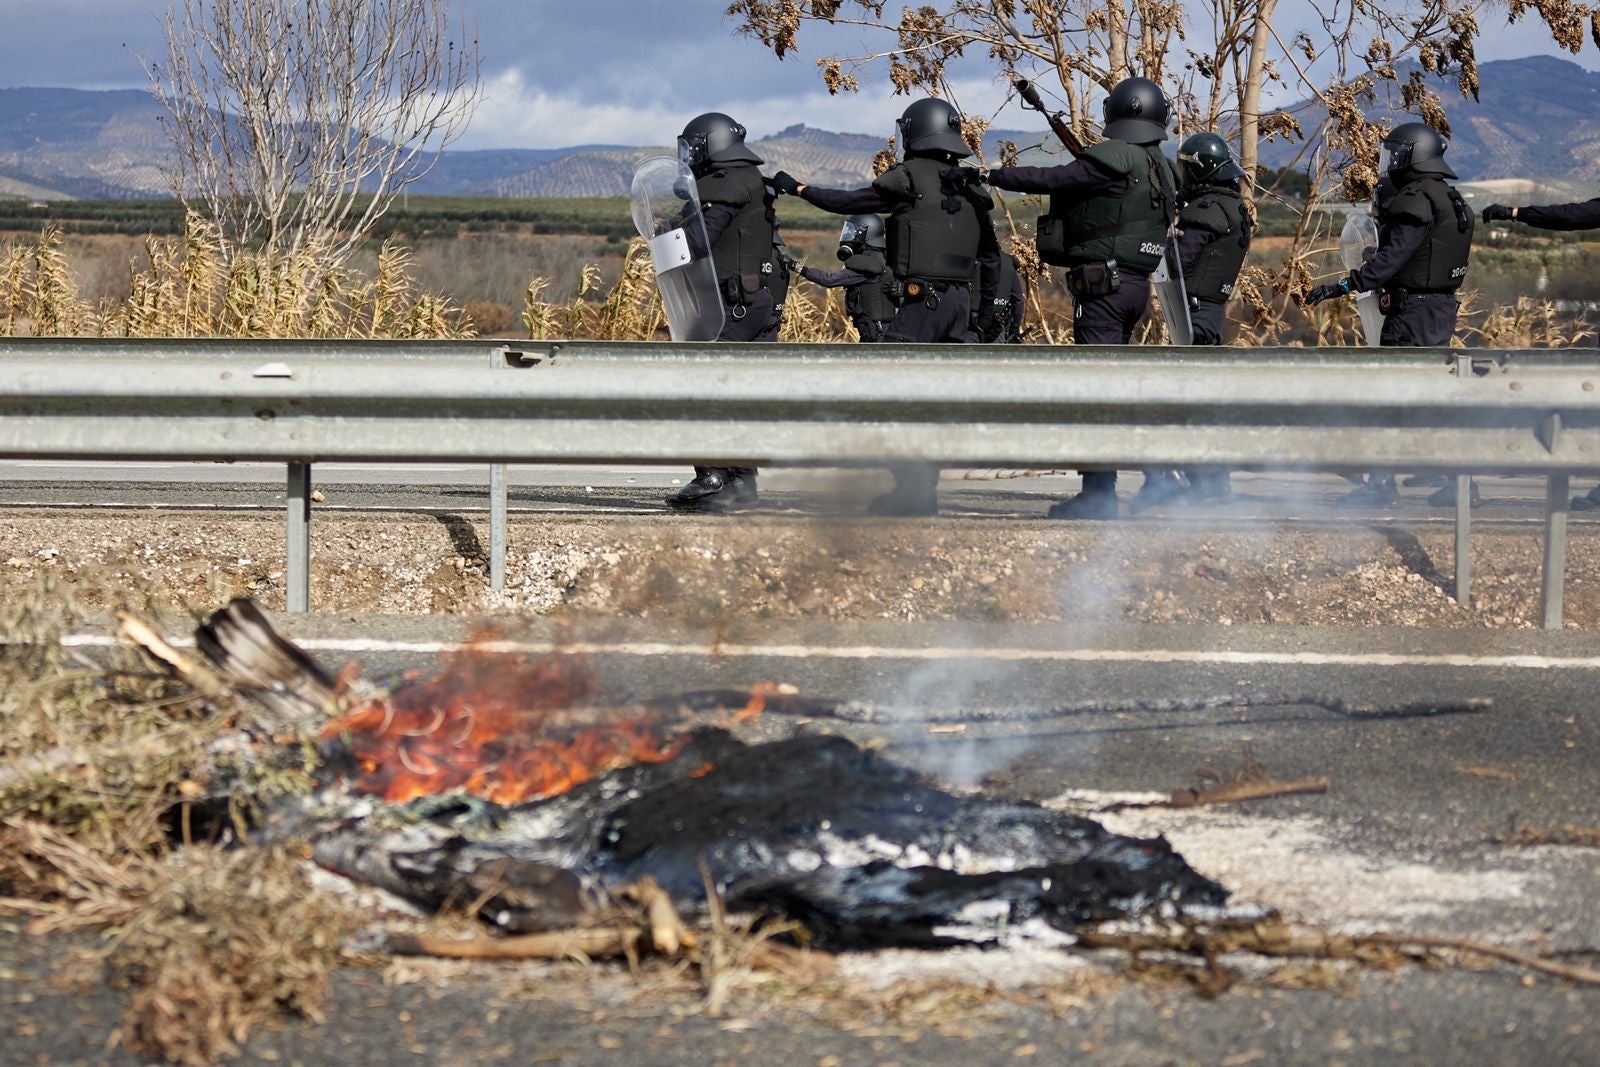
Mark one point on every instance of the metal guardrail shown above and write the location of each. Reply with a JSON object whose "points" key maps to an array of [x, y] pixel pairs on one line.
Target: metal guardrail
{"points": [[1453, 410]]}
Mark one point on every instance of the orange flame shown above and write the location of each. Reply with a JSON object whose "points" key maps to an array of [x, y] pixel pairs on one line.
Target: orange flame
{"points": [[491, 724]]}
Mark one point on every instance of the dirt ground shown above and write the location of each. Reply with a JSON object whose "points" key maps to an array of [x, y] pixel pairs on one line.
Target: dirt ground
{"points": [[759, 567]]}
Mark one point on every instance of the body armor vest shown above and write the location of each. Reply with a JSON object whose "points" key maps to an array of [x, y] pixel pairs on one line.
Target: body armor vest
{"points": [[1219, 211], [873, 301], [743, 253], [1440, 264], [934, 234], [1128, 226]]}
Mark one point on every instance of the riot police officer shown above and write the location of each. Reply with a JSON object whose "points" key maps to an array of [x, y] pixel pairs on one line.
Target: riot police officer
{"points": [[740, 224], [1580, 215], [1214, 239], [938, 230], [1424, 242], [871, 294], [1107, 223]]}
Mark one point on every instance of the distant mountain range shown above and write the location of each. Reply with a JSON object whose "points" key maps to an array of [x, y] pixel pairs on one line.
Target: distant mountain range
{"points": [[1538, 119]]}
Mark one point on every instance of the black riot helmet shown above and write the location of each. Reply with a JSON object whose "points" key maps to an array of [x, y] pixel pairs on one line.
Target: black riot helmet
{"points": [[932, 126], [1206, 160], [1415, 147], [713, 138], [861, 232], [1136, 111]]}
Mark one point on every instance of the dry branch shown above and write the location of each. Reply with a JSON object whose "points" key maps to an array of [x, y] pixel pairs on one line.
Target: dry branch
{"points": [[1235, 792], [594, 943]]}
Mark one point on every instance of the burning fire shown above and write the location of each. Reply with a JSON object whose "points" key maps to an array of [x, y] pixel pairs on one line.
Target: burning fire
{"points": [[499, 726]]}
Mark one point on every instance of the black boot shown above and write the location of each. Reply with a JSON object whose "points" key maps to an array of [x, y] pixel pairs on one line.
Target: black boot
{"points": [[1160, 487], [915, 492], [716, 489], [1377, 491], [1589, 501], [1097, 501], [1446, 497]]}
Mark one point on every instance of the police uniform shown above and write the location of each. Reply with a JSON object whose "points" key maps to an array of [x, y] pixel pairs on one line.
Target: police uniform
{"points": [[1212, 247], [871, 295], [1214, 240], [1107, 222], [741, 227], [939, 233], [739, 224], [1424, 241]]}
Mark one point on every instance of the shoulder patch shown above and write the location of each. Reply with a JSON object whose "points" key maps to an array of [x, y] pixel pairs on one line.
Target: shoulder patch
{"points": [[1410, 204], [1119, 157], [894, 182], [726, 187]]}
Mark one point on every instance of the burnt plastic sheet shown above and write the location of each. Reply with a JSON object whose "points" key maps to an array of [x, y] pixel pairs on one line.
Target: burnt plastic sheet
{"points": [[859, 848]]}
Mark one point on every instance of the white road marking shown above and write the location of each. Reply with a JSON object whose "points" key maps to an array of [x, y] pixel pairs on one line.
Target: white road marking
{"points": [[1218, 657]]}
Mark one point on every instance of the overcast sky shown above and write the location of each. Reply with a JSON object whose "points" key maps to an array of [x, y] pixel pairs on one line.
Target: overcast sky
{"points": [[564, 72]]}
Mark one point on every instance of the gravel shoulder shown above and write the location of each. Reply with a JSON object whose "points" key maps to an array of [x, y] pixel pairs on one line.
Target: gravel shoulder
{"points": [[759, 566]]}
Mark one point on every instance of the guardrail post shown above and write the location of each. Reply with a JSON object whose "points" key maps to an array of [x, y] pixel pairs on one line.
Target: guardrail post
{"points": [[1555, 550], [299, 562], [497, 526], [1464, 539]]}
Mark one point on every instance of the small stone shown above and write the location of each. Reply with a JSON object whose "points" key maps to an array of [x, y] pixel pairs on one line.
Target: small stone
{"points": [[317, 497], [987, 580], [917, 583]]}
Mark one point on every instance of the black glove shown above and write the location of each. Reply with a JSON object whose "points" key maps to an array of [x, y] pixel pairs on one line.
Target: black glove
{"points": [[785, 183], [1496, 211], [790, 264], [683, 188], [1342, 287]]}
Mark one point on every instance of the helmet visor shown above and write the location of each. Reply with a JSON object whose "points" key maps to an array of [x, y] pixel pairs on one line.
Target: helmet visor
{"points": [[692, 149], [851, 233], [1393, 156]]}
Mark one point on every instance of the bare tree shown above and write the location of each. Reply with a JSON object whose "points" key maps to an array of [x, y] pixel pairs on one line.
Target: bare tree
{"points": [[297, 122]]}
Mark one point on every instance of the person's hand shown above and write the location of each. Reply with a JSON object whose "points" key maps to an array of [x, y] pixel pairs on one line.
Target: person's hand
{"points": [[1342, 287], [1498, 211], [785, 183], [683, 188], [789, 263]]}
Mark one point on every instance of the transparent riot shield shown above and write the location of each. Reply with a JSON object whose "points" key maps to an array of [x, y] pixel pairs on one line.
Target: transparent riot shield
{"points": [[1168, 282], [1357, 244], [666, 212]]}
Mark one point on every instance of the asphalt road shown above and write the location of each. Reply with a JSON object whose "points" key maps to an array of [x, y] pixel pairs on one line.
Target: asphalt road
{"points": [[1406, 839], [1425, 785]]}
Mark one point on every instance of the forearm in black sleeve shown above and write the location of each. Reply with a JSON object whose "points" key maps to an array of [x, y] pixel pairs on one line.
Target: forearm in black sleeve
{"points": [[1191, 244], [833, 279], [1079, 177], [846, 201], [718, 217], [1584, 215], [1400, 244]]}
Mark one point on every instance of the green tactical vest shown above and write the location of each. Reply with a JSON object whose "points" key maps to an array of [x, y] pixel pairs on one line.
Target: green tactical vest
{"points": [[1129, 227]]}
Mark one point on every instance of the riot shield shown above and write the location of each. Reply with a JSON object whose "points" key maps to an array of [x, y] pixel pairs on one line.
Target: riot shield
{"points": [[1168, 282], [1357, 244], [666, 212]]}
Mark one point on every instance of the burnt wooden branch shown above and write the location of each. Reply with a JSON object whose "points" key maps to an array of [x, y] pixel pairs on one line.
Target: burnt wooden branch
{"points": [[1235, 792], [246, 650], [596, 943]]}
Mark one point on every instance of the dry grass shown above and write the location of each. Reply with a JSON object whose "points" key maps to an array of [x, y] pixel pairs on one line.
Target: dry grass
{"points": [[190, 287]]}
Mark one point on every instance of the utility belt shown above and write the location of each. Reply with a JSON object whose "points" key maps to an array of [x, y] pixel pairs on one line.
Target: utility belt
{"points": [[738, 290], [1094, 279], [1393, 300], [926, 289]]}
